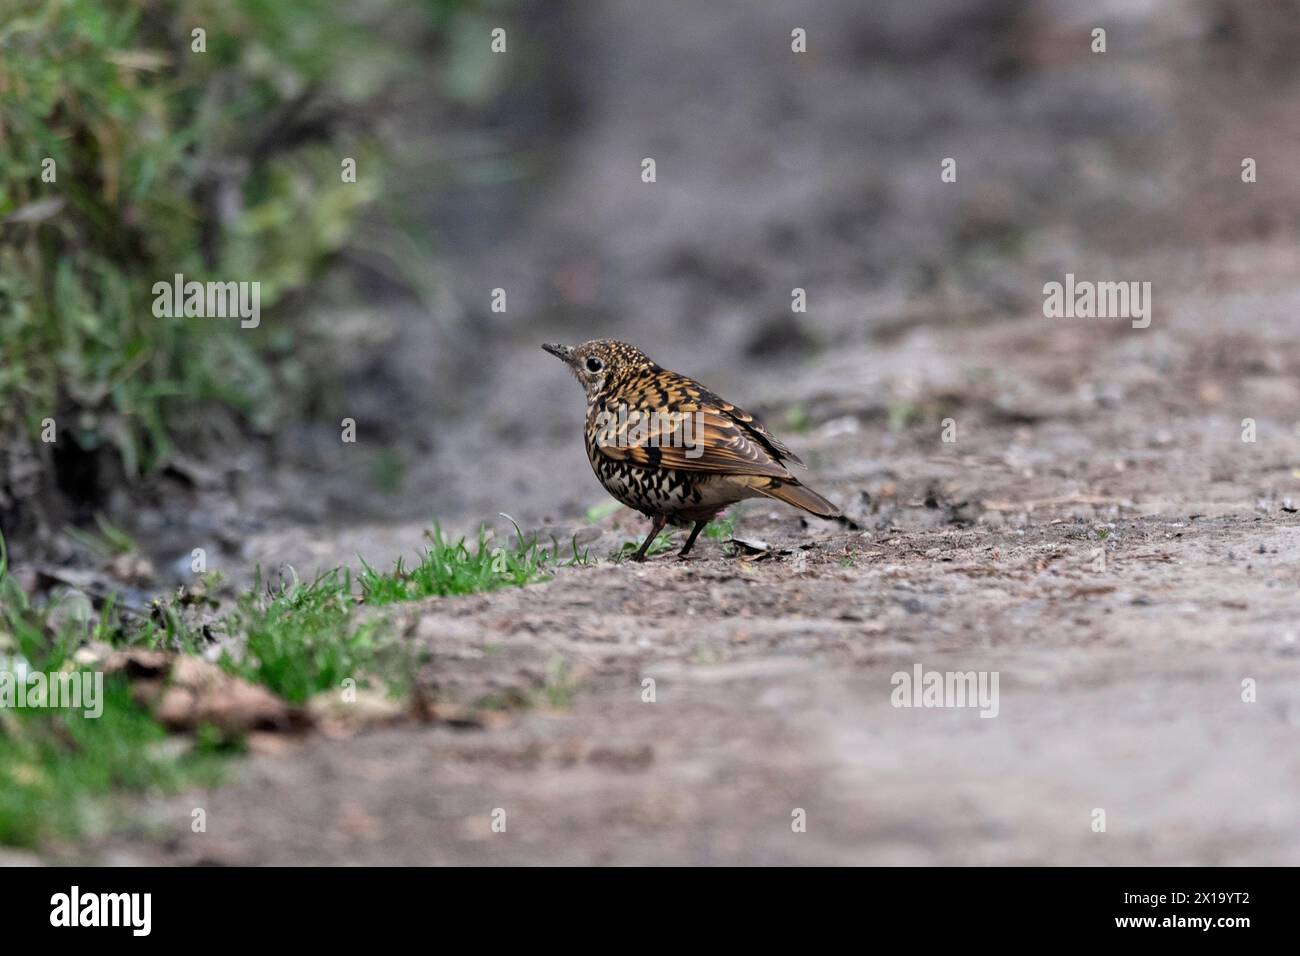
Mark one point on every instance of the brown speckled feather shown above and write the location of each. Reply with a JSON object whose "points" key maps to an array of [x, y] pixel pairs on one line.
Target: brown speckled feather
{"points": [[670, 470]]}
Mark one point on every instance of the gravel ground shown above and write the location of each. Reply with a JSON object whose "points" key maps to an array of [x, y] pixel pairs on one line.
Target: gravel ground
{"points": [[1120, 558]]}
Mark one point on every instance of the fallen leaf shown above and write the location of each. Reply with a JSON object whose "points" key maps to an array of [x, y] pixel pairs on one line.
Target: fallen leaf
{"points": [[185, 692]]}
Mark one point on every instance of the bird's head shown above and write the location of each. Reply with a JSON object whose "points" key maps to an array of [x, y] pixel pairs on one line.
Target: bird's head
{"points": [[600, 362]]}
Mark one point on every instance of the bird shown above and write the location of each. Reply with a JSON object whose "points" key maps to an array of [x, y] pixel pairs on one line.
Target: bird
{"points": [[666, 446]]}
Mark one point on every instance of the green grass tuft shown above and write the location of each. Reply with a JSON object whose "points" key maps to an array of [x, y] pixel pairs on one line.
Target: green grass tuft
{"points": [[723, 529], [663, 542], [448, 567], [56, 764], [110, 539], [298, 639], [301, 639]]}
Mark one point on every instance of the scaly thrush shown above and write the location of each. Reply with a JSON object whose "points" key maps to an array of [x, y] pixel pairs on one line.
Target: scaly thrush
{"points": [[666, 446]]}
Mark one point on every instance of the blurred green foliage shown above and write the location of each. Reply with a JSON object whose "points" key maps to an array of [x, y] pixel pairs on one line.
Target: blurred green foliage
{"points": [[220, 165], [57, 765]]}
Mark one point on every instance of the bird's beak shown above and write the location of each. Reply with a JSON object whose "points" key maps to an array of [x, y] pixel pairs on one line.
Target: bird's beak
{"points": [[561, 352]]}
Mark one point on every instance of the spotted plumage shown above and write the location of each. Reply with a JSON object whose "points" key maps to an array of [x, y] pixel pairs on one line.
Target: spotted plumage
{"points": [[665, 445]]}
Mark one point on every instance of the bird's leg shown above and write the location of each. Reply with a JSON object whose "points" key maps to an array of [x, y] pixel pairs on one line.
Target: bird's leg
{"points": [[659, 523], [695, 533]]}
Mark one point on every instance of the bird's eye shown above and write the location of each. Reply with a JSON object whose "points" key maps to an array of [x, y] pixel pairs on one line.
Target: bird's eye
{"points": [[594, 365]]}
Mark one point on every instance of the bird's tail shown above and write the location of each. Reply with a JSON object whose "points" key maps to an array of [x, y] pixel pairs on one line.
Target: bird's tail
{"points": [[793, 493]]}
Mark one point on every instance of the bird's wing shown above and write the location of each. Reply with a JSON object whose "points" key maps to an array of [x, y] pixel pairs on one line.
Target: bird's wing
{"points": [[757, 427], [702, 433]]}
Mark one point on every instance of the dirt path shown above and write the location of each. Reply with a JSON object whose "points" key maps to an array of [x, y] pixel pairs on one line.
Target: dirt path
{"points": [[1119, 688], [772, 692]]}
